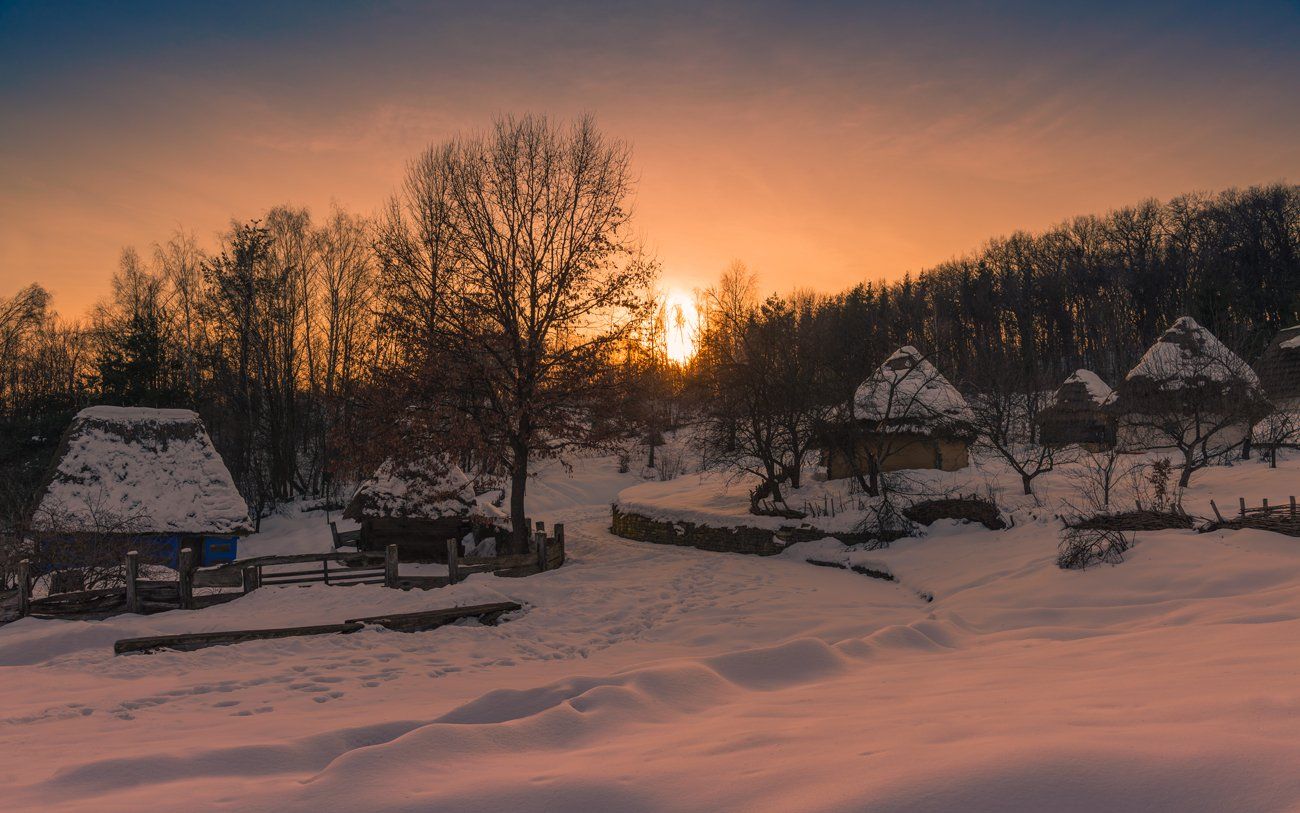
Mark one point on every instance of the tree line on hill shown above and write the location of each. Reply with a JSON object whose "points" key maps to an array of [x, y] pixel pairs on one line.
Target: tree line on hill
{"points": [[498, 309]]}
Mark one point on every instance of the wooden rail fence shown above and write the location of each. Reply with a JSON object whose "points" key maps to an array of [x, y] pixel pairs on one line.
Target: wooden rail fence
{"points": [[1281, 517], [245, 575]]}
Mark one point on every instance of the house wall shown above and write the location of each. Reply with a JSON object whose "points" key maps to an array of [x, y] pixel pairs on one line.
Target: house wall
{"points": [[1132, 439], [906, 451]]}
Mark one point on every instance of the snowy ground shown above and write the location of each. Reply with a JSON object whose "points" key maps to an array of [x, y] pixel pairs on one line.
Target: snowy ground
{"points": [[641, 677]]}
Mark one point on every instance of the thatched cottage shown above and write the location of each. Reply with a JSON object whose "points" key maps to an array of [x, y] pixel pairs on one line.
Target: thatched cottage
{"points": [[1190, 384], [1076, 414], [418, 506], [149, 478], [906, 415], [1279, 369]]}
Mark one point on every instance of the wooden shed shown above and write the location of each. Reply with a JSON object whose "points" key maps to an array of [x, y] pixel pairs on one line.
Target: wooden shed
{"points": [[1279, 369], [1188, 382], [144, 478], [418, 506], [906, 415], [1076, 414]]}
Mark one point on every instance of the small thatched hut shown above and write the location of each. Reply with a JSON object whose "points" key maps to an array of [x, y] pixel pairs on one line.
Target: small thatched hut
{"points": [[1076, 415], [1190, 384], [149, 478], [906, 415], [1279, 369], [418, 506]]}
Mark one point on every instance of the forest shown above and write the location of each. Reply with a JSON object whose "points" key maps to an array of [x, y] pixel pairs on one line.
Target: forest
{"points": [[497, 310]]}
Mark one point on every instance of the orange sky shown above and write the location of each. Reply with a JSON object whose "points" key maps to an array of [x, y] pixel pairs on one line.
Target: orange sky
{"points": [[822, 143]]}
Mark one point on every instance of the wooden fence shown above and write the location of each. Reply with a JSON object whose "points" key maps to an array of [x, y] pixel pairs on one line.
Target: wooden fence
{"points": [[245, 575], [1282, 517]]}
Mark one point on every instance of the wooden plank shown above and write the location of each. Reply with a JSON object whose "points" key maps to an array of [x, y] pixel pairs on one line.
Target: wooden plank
{"points": [[24, 587], [187, 563], [432, 619], [453, 561], [390, 566], [541, 549], [132, 573], [198, 640]]}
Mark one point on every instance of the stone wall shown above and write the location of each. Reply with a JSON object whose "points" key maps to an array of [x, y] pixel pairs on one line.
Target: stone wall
{"points": [[738, 539]]}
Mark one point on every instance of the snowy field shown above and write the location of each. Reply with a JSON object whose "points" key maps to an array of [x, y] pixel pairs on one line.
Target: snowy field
{"points": [[641, 677]]}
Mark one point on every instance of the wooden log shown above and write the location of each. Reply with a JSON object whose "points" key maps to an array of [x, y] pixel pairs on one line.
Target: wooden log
{"points": [[1216, 510], [198, 640], [132, 589], [1266, 505], [559, 544], [453, 561], [390, 566], [252, 578], [541, 550], [187, 562], [1242, 502], [24, 587], [432, 619]]}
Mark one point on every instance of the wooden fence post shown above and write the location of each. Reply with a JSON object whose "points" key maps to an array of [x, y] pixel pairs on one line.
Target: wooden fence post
{"points": [[541, 551], [1242, 502], [325, 571], [1266, 506], [132, 573], [251, 580], [559, 540], [24, 588], [187, 578], [453, 561], [390, 566], [1293, 506], [1216, 510]]}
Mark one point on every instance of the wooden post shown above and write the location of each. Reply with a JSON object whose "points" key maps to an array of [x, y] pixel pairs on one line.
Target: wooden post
{"points": [[325, 570], [1266, 506], [453, 561], [1293, 505], [24, 588], [541, 551], [559, 540], [187, 578], [251, 578], [132, 573], [390, 566], [1242, 501], [1216, 510], [541, 526]]}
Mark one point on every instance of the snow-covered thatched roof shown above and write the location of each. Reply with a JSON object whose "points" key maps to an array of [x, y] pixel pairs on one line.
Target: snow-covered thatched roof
{"points": [[1186, 362], [908, 393], [1279, 367], [426, 489], [132, 470], [1083, 390]]}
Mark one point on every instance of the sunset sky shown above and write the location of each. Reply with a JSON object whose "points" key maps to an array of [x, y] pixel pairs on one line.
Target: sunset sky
{"points": [[822, 143]]}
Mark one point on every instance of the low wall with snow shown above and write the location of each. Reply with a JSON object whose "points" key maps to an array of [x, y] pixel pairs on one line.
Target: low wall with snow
{"points": [[733, 539]]}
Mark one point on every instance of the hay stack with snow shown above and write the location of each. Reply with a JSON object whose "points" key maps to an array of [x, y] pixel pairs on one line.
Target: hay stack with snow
{"points": [[1279, 369], [1076, 414], [906, 415], [418, 506], [137, 475], [1188, 384]]}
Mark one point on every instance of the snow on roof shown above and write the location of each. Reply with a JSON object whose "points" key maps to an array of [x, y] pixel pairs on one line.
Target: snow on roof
{"points": [[1188, 354], [140, 471], [907, 389], [1082, 382], [1279, 366], [428, 489]]}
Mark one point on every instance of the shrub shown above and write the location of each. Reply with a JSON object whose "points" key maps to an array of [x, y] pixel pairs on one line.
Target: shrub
{"points": [[1083, 547]]}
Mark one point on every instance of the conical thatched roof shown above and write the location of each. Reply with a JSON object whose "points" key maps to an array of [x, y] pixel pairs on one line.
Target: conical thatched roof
{"points": [[907, 393], [426, 489], [1279, 367], [132, 470], [1188, 366], [1075, 413]]}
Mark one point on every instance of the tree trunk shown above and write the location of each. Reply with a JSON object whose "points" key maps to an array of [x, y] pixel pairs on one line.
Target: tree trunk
{"points": [[1186, 476], [518, 517], [1027, 481]]}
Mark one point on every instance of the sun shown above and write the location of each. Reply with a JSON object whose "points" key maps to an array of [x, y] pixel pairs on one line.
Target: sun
{"points": [[681, 324]]}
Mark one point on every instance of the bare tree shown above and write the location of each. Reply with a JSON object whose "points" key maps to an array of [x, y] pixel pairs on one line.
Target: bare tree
{"points": [[543, 282]]}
